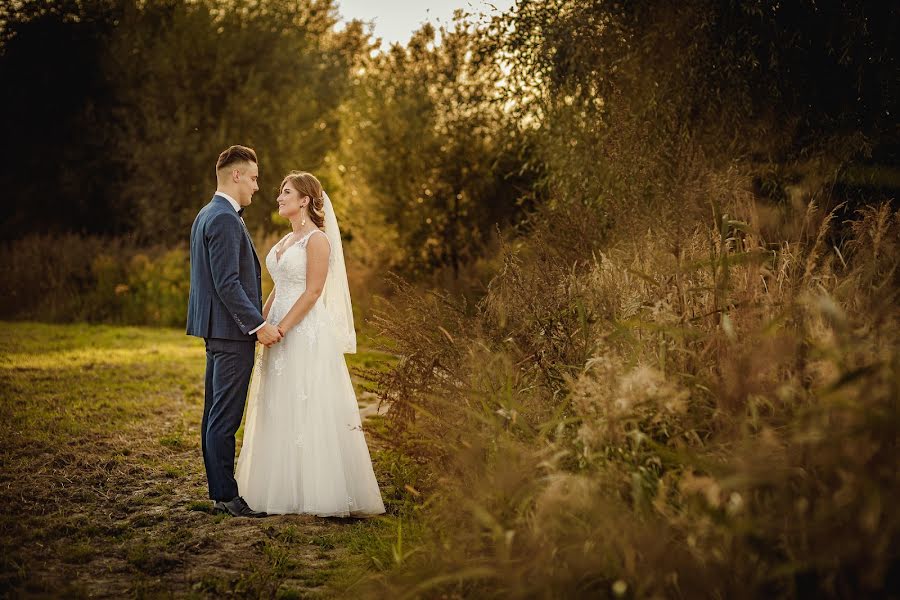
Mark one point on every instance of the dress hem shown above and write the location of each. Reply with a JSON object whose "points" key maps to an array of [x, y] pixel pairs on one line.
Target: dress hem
{"points": [[352, 514]]}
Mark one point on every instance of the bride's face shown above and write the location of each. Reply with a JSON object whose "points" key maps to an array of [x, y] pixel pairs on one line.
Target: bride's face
{"points": [[289, 201]]}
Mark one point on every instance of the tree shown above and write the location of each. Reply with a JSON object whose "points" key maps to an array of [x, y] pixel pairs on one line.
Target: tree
{"points": [[631, 96], [435, 147], [150, 94], [56, 101]]}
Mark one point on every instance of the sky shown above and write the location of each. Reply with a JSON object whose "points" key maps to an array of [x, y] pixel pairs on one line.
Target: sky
{"points": [[395, 20]]}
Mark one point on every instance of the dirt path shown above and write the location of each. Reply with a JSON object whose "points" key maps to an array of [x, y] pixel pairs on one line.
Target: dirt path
{"points": [[103, 489]]}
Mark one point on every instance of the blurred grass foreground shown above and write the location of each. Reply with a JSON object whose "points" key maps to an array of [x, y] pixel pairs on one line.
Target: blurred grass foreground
{"points": [[696, 416], [632, 268]]}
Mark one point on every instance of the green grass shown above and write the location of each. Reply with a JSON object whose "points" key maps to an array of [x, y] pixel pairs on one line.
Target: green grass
{"points": [[102, 465], [88, 379]]}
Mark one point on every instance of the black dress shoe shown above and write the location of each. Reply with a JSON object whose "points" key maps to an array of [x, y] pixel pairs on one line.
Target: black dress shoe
{"points": [[237, 507]]}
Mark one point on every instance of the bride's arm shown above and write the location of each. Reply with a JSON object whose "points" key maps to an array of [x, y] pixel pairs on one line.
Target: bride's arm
{"points": [[268, 305], [317, 250]]}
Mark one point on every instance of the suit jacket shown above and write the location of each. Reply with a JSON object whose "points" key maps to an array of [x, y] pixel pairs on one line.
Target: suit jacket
{"points": [[226, 285]]}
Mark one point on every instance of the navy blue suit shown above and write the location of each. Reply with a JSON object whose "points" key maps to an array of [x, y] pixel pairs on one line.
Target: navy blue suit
{"points": [[224, 305]]}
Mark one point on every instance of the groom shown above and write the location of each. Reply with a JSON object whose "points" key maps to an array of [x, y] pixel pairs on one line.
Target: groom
{"points": [[225, 309]]}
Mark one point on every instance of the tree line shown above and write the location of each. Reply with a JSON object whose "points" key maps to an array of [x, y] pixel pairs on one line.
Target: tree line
{"points": [[117, 109]]}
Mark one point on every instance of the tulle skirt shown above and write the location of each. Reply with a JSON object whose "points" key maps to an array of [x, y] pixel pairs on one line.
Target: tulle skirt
{"points": [[304, 450]]}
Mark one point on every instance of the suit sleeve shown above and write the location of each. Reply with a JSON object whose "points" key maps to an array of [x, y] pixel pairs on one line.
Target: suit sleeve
{"points": [[224, 235]]}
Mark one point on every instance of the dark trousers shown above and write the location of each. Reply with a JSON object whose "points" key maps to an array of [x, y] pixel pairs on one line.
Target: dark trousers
{"points": [[229, 364]]}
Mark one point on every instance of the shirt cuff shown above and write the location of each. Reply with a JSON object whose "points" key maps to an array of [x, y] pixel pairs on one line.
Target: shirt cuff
{"points": [[252, 331]]}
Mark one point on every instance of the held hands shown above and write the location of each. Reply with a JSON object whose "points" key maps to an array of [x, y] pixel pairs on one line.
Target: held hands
{"points": [[269, 335]]}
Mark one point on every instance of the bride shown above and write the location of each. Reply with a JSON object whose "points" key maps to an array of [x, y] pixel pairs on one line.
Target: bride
{"points": [[304, 450]]}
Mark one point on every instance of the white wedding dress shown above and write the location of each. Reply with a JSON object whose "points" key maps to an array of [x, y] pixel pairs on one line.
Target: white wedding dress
{"points": [[304, 450]]}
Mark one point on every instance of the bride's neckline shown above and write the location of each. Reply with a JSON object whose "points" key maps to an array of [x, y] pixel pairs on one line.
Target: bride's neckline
{"points": [[280, 254]]}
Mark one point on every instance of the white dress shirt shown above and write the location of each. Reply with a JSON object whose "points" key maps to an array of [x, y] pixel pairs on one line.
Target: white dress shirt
{"points": [[237, 207]]}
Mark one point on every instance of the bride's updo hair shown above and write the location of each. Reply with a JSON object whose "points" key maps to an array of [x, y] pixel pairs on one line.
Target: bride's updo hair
{"points": [[306, 184]]}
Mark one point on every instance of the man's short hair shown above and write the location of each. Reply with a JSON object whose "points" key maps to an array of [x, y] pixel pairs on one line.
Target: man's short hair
{"points": [[234, 155]]}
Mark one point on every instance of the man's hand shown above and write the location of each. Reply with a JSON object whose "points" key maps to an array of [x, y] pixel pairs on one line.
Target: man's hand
{"points": [[269, 335]]}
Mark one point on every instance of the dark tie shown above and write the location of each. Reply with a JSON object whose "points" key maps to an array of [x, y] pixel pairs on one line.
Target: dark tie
{"points": [[241, 212]]}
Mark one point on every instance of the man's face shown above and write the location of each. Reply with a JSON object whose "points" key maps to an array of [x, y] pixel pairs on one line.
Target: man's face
{"points": [[246, 180]]}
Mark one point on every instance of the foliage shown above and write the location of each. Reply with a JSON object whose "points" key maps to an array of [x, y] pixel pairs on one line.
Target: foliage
{"points": [[169, 84], [634, 100], [65, 278], [646, 400], [687, 446], [433, 150]]}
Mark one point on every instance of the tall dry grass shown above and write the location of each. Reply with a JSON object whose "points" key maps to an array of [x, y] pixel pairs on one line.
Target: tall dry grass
{"points": [[694, 411]]}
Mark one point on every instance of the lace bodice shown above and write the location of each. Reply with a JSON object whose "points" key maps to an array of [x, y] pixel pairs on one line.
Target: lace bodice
{"points": [[289, 275]]}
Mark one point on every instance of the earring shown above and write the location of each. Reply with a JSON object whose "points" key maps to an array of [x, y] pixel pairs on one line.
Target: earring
{"points": [[303, 219]]}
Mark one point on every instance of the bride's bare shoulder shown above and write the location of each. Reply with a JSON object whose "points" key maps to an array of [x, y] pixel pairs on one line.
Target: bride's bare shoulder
{"points": [[318, 243]]}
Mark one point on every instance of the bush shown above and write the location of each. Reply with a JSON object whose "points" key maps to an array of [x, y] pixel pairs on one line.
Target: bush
{"points": [[73, 278]]}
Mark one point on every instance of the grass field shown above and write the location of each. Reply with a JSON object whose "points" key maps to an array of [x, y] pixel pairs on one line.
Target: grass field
{"points": [[102, 483]]}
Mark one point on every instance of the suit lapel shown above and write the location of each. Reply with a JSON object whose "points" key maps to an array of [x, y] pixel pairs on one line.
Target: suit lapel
{"points": [[252, 245]]}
